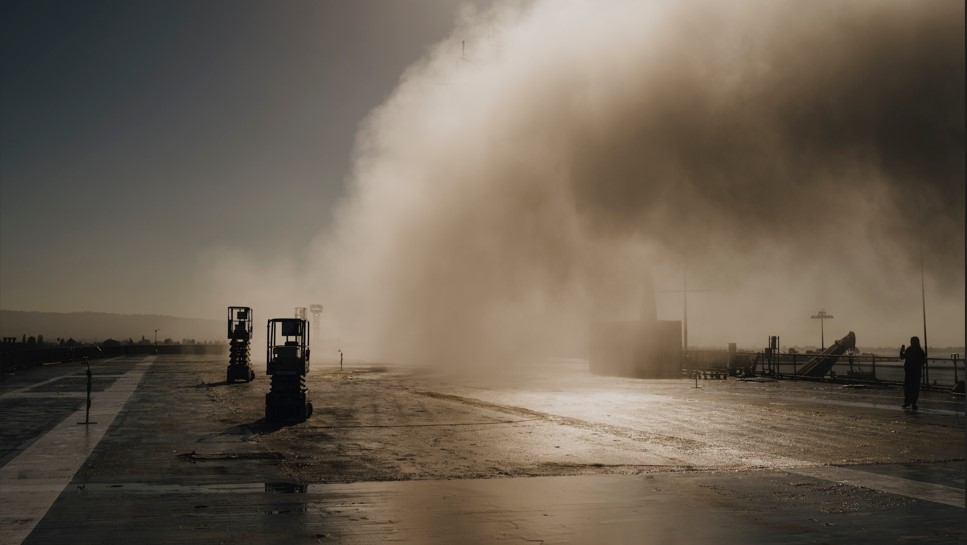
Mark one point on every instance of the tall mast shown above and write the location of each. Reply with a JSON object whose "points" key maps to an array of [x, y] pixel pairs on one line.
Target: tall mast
{"points": [[685, 312], [923, 301]]}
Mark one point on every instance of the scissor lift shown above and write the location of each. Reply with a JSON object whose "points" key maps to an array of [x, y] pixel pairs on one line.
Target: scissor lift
{"points": [[239, 349], [287, 362]]}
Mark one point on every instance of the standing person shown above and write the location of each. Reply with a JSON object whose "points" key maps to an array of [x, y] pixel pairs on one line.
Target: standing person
{"points": [[913, 360]]}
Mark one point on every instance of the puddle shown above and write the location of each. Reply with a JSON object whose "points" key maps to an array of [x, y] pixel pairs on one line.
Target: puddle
{"points": [[222, 456], [232, 488], [289, 488]]}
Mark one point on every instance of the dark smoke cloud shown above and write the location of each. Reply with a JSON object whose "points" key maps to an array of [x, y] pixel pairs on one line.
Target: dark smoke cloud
{"points": [[786, 118], [793, 154]]}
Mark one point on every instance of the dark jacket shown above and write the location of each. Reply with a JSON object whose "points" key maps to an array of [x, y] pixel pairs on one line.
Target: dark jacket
{"points": [[913, 358]]}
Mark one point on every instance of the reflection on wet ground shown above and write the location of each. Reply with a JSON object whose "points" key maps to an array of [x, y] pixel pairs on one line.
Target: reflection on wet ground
{"points": [[546, 454]]}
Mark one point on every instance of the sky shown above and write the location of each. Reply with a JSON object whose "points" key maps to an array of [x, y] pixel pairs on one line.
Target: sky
{"points": [[478, 182], [136, 137]]}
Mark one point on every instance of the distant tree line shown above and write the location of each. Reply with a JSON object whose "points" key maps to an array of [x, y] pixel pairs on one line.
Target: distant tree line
{"points": [[39, 342], [26, 351]]}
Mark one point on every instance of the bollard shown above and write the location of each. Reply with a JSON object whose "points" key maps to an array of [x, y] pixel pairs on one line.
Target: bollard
{"points": [[90, 384]]}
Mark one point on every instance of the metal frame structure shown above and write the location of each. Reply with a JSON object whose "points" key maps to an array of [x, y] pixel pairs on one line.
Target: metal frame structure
{"points": [[240, 322], [287, 362], [316, 310]]}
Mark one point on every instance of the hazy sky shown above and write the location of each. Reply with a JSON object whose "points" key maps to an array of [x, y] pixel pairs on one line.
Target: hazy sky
{"points": [[442, 200], [137, 136]]}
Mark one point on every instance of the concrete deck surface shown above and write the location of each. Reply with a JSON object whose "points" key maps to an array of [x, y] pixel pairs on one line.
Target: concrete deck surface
{"points": [[542, 454]]}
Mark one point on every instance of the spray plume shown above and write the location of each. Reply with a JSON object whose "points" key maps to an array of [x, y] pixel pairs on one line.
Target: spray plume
{"points": [[791, 153]]}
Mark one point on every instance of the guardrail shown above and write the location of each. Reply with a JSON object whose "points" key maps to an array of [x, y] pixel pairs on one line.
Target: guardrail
{"points": [[939, 371]]}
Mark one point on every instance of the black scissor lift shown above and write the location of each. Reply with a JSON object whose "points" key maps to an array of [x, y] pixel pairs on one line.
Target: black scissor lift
{"points": [[239, 349], [287, 356]]}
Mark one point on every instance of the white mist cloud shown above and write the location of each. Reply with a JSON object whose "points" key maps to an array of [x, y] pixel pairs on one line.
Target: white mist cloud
{"points": [[794, 155]]}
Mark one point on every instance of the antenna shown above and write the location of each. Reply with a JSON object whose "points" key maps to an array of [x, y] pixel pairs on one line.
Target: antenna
{"points": [[684, 291], [822, 316]]}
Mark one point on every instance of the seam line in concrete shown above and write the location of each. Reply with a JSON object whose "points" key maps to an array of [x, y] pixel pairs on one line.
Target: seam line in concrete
{"points": [[938, 493]]}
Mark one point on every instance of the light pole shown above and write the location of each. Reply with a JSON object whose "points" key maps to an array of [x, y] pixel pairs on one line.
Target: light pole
{"points": [[822, 316], [685, 291], [923, 301]]}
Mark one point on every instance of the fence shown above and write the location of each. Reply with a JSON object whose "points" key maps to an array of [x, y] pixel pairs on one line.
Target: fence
{"points": [[939, 371]]}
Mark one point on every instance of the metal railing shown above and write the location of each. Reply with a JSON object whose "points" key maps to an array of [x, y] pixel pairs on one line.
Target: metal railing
{"points": [[938, 371]]}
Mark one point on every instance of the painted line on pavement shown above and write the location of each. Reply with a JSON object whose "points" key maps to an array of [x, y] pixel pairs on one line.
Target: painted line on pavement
{"points": [[938, 493], [888, 407], [883, 403], [49, 395], [20, 391], [76, 373], [31, 482]]}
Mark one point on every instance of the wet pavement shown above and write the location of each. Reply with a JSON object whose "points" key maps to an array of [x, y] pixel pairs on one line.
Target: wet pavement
{"points": [[543, 454]]}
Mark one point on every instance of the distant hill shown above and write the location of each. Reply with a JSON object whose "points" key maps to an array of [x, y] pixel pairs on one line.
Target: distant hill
{"points": [[97, 326]]}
